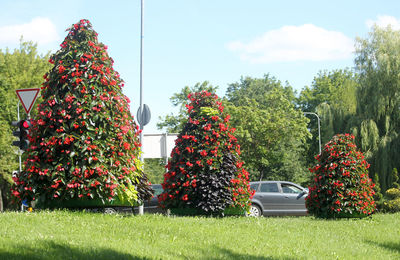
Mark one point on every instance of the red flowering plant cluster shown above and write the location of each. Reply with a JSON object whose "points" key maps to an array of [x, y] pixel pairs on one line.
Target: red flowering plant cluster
{"points": [[205, 173], [84, 140], [341, 186]]}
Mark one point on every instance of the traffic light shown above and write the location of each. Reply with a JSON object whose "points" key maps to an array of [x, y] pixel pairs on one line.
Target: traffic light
{"points": [[22, 133]]}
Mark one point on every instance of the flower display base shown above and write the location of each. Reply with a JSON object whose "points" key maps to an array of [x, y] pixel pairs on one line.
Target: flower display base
{"points": [[198, 212], [41, 203]]}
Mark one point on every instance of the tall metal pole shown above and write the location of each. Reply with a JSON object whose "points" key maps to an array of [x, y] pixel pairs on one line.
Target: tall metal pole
{"points": [[141, 88], [19, 151], [319, 128]]}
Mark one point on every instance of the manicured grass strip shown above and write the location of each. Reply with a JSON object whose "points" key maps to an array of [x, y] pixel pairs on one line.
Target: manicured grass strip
{"points": [[80, 235]]}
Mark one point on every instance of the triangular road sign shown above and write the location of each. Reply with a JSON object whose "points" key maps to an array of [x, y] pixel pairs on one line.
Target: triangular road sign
{"points": [[27, 97]]}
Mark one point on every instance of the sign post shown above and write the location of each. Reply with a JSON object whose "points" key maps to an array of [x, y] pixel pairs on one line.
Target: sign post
{"points": [[27, 97]]}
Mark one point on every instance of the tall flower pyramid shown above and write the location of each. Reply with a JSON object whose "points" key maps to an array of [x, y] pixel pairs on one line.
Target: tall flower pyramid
{"points": [[205, 172], [84, 141], [341, 186]]}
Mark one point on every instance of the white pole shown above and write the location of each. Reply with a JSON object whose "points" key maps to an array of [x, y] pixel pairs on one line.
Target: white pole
{"points": [[141, 210]]}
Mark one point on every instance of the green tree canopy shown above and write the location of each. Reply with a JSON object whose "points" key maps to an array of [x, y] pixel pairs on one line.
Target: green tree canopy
{"points": [[271, 130], [332, 96]]}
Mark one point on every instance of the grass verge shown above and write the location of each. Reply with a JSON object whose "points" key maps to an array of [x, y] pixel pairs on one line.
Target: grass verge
{"points": [[80, 235]]}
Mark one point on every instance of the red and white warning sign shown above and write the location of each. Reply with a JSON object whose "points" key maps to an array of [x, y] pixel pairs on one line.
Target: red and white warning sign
{"points": [[28, 97]]}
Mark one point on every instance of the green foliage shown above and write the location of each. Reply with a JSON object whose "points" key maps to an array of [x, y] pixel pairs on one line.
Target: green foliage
{"points": [[341, 186], [393, 193], [174, 123], [393, 200], [377, 62], [378, 196], [392, 205], [205, 173], [84, 142], [271, 131], [154, 169], [332, 96], [21, 68], [395, 179]]}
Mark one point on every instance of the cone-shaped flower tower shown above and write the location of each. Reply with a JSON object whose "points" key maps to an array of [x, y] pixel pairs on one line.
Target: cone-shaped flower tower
{"points": [[84, 141], [341, 186], [205, 173]]}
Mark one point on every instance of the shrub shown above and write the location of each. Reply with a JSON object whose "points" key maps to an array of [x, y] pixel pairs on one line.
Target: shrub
{"points": [[84, 141], [393, 193], [341, 186], [392, 205], [205, 174]]}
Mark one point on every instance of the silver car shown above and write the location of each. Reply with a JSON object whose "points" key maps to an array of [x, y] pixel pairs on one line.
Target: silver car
{"points": [[274, 198]]}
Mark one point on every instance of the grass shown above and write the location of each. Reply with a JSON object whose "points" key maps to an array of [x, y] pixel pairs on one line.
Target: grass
{"points": [[80, 235]]}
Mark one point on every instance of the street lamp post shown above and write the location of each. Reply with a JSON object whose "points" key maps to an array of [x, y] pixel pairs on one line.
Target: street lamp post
{"points": [[319, 128]]}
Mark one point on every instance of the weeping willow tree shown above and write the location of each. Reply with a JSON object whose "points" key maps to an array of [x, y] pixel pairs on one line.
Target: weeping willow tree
{"points": [[378, 64]]}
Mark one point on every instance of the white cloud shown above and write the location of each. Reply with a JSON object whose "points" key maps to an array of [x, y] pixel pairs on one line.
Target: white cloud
{"points": [[383, 21], [295, 43], [40, 30]]}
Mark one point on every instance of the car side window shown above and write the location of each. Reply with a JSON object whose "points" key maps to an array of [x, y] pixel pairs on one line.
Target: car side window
{"points": [[254, 186], [269, 187], [288, 188]]}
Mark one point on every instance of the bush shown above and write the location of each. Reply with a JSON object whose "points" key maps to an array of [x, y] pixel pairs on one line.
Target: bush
{"points": [[205, 174], [393, 193], [341, 186], [84, 142], [392, 205]]}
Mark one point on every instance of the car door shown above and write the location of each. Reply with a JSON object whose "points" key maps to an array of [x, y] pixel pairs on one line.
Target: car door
{"points": [[294, 198], [270, 197]]}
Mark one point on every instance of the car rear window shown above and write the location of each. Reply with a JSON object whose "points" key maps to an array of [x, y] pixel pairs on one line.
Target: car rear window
{"points": [[269, 187]]}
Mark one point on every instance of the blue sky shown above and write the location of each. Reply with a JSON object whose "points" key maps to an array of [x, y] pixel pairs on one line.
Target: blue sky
{"points": [[188, 41]]}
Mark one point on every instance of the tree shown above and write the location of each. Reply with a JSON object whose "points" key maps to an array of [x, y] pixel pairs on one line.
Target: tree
{"points": [[341, 186], [378, 64], [205, 173], [271, 131], [84, 141], [332, 96], [22, 68], [174, 123]]}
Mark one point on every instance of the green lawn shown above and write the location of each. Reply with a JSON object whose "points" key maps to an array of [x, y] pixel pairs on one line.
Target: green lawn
{"points": [[80, 235]]}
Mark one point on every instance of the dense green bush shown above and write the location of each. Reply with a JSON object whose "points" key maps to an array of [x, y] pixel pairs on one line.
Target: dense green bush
{"points": [[341, 186], [205, 174], [393, 202], [393, 193], [84, 140]]}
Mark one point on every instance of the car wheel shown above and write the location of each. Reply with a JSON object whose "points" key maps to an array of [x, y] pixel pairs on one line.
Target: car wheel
{"points": [[254, 211], [109, 211]]}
